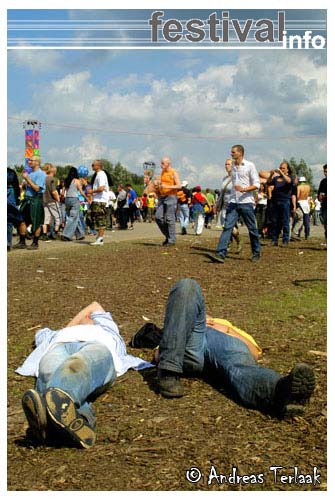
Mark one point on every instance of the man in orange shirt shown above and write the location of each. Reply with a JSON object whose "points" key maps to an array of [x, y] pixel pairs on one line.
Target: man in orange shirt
{"points": [[167, 187]]}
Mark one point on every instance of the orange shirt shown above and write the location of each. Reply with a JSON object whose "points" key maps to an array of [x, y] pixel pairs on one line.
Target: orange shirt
{"points": [[167, 177]]}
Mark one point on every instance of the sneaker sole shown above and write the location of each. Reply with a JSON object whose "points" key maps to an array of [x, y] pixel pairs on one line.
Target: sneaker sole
{"points": [[35, 413], [302, 382], [63, 413], [214, 258]]}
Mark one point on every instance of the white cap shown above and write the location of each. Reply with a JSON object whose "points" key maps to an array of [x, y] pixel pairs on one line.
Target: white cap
{"points": [[302, 179], [184, 183]]}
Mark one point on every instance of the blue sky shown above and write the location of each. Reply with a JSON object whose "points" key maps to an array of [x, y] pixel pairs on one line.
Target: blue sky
{"points": [[272, 101]]}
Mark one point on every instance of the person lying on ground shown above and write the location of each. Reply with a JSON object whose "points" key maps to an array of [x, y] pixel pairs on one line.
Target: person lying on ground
{"points": [[71, 365], [195, 345]]}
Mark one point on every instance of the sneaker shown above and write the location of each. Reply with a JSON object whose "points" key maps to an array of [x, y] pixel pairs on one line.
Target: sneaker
{"points": [[165, 242], [183, 230], [64, 238], [81, 238], [215, 257], [98, 241], [255, 258], [62, 411], [33, 246], [274, 243], [52, 237], [169, 384], [285, 244], [44, 237], [20, 246], [35, 412], [130, 228], [293, 391]]}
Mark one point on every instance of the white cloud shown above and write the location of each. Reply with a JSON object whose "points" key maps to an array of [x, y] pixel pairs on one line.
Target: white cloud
{"points": [[264, 94], [36, 61]]}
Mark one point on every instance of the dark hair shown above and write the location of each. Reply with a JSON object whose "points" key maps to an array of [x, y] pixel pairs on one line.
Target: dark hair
{"points": [[73, 174], [239, 147], [325, 167]]}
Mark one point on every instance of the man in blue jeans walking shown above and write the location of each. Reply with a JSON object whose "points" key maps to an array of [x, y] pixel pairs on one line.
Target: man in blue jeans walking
{"points": [[192, 345], [245, 180], [81, 360]]}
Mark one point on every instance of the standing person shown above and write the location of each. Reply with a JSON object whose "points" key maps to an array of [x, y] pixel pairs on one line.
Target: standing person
{"points": [[209, 214], [184, 201], [110, 208], [62, 193], [281, 183], [260, 210], [132, 207], [317, 208], [151, 205], [199, 200], [167, 186], [52, 211], [73, 186], [302, 215], [322, 197], [14, 217], [122, 207], [99, 191], [245, 181], [144, 208], [32, 206], [223, 202]]}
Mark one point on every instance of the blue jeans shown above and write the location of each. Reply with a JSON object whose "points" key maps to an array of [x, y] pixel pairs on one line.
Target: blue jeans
{"points": [[166, 217], [281, 220], [78, 368], [246, 211], [187, 345], [184, 215], [72, 225]]}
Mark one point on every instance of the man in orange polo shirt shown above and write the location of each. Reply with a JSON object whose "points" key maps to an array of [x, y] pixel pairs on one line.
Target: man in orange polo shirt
{"points": [[167, 187]]}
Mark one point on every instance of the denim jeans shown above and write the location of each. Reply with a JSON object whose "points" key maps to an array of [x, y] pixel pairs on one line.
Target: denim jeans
{"points": [[78, 368], [301, 221], [73, 226], [281, 220], [184, 215], [246, 211], [187, 345], [166, 217]]}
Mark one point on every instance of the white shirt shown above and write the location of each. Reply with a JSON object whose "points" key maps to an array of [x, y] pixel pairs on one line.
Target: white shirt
{"points": [[101, 180], [103, 331], [244, 175]]}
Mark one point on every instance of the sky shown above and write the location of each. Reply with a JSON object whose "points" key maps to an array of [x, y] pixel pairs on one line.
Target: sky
{"points": [[191, 105]]}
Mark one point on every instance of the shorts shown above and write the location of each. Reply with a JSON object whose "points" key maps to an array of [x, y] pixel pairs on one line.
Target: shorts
{"points": [[98, 215], [52, 211], [32, 211]]}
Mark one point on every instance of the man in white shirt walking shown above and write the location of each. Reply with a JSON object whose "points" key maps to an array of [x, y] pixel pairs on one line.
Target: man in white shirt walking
{"points": [[100, 192], [245, 180], [80, 360]]}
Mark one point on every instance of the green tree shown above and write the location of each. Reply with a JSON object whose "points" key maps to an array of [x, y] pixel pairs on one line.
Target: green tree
{"points": [[301, 169]]}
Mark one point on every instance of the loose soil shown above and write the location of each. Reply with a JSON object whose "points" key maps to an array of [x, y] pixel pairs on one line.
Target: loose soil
{"points": [[146, 442]]}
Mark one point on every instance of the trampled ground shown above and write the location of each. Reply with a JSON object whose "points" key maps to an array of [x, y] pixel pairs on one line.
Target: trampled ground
{"points": [[144, 441]]}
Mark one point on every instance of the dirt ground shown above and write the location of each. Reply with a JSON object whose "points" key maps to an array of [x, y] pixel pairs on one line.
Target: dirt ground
{"points": [[146, 442]]}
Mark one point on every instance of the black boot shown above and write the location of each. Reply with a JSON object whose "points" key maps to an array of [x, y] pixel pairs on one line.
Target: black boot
{"points": [[169, 384], [292, 392]]}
